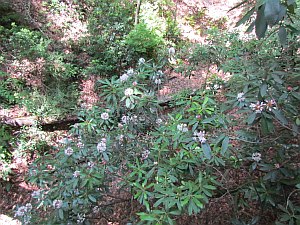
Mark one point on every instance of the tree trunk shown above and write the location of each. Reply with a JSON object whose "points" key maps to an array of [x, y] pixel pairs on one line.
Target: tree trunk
{"points": [[137, 12]]}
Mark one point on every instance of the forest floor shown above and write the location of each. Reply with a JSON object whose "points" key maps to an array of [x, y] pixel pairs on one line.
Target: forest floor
{"points": [[219, 210]]}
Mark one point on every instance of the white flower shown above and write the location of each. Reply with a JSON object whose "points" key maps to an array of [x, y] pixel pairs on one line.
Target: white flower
{"points": [[157, 81], [80, 144], [182, 127], [101, 146], [124, 77], [145, 154], [96, 209], [240, 97], [120, 138], [128, 92], [91, 164], [159, 121], [270, 104], [256, 156], [172, 51], [142, 61], [258, 107], [69, 151], [28, 206], [130, 72], [199, 136], [36, 194], [216, 87], [80, 218], [125, 119], [57, 203], [159, 73], [21, 211], [134, 83], [65, 140], [104, 116], [76, 174]]}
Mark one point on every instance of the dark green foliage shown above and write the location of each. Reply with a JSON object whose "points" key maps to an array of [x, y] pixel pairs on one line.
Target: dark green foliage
{"points": [[8, 15], [109, 23], [271, 13]]}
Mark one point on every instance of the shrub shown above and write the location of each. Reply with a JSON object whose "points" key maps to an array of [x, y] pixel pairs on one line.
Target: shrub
{"points": [[142, 41]]}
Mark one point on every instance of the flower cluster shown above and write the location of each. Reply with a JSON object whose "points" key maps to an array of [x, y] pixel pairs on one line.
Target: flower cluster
{"points": [[128, 92], [126, 75], [24, 212], [126, 119], [199, 136], [76, 174], [80, 218], [91, 164], [69, 151], [141, 61], [36, 194], [182, 127], [258, 107], [256, 156], [105, 116], [145, 154], [159, 121], [80, 144], [57, 204], [157, 79], [101, 146], [172, 51], [270, 104], [240, 97]]}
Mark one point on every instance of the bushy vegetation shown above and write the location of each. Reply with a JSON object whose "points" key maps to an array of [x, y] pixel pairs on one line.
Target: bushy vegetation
{"points": [[168, 159]]}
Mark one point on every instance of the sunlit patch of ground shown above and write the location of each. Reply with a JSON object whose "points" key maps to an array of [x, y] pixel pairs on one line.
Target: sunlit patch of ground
{"points": [[215, 9], [6, 220]]}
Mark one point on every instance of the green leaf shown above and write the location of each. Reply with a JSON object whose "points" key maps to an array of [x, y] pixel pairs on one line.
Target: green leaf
{"points": [[271, 11], [298, 122], [245, 17], [61, 214], [208, 120], [158, 202], [105, 156], [251, 118], [261, 24], [282, 34], [147, 217], [263, 89], [206, 150], [225, 144], [296, 95], [278, 114], [282, 13], [128, 102], [92, 198], [219, 139], [277, 78]]}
